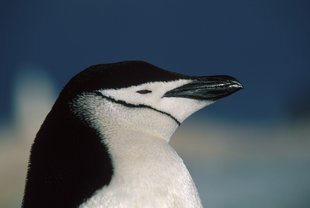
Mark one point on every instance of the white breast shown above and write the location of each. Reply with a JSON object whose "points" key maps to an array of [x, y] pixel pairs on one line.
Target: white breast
{"points": [[147, 173]]}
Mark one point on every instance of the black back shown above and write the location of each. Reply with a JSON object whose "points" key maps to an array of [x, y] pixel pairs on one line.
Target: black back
{"points": [[68, 161]]}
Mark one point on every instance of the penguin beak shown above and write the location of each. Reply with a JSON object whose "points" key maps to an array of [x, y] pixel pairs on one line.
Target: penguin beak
{"points": [[209, 88]]}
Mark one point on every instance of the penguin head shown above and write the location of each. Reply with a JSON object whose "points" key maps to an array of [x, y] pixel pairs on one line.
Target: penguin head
{"points": [[137, 96]]}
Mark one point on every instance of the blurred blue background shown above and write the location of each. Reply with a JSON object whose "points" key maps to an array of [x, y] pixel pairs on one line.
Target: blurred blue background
{"points": [[256, 153]]}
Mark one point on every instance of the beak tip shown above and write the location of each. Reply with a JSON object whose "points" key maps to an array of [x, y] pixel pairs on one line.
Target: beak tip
{"points": [[233, 86], [223, 86], [237, 85]]}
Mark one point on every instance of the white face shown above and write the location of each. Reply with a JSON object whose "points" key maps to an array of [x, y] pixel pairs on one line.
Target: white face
{"points": [[180, 108], [140, 108]]}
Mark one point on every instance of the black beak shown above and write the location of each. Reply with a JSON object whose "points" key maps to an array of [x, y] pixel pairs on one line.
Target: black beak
{"points": [[207, 88]]}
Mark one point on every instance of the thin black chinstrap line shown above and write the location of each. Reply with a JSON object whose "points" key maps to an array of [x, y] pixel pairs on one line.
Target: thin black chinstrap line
{"points": [[138, 106]]}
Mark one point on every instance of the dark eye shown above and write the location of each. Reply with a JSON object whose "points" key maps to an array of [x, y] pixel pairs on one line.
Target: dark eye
{"points": [[144, 91], [98, 93]]}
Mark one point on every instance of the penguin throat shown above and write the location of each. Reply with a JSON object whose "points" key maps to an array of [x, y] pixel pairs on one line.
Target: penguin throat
{"points": [[115, 117]]}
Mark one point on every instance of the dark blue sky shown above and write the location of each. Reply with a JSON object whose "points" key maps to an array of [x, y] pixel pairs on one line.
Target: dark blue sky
{"points": [[264, 43]]}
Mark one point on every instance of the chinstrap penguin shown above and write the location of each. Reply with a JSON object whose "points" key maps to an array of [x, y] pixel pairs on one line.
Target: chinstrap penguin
{"points": [[105, 143]]}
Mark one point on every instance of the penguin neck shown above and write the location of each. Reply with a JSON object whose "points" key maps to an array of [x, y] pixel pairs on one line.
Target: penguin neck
{"points": [[128, 143], [140, 123], [147, 173], [127, 146], [148, 133]]}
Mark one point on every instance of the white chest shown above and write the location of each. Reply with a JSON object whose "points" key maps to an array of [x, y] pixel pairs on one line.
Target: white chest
{"points": [[147, 173]]}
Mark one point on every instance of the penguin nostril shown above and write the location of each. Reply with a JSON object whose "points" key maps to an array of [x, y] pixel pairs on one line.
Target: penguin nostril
{"points": [[144, 91]]}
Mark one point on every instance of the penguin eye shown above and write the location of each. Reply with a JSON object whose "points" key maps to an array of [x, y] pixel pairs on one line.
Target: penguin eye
{"points": [[144, 91], [98, 93]]}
